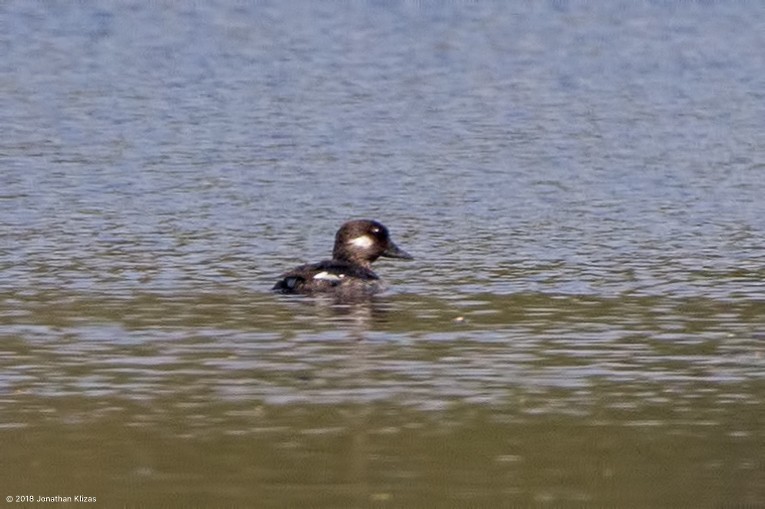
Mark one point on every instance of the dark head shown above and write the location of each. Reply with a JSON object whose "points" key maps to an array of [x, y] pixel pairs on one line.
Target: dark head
{"points": [[363, 241]]}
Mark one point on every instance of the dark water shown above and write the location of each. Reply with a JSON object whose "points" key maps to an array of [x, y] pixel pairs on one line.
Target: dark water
{"points": [[582, 186]]}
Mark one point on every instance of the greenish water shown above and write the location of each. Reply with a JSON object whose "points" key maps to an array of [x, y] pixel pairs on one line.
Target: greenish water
{"points": [[581, 186], [247, 400]]}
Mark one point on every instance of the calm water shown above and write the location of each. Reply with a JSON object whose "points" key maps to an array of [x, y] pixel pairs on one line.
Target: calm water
{"points": [[581, 184]]}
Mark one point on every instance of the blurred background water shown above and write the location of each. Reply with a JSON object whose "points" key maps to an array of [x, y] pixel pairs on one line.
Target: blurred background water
{"points": [[581, 185]]}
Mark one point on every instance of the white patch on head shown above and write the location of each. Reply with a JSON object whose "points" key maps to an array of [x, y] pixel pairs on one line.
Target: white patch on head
{"points": [[362, 241], [326, 276]]}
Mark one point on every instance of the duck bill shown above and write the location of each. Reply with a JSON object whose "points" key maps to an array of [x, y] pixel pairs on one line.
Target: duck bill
{"points": [[393, 251]]}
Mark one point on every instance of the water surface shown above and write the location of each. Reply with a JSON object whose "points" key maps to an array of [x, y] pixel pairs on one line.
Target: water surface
{"points": [[581, 186]]}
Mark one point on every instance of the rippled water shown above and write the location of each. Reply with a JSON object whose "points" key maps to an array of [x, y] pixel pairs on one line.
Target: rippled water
{"points": [[581, 186]]}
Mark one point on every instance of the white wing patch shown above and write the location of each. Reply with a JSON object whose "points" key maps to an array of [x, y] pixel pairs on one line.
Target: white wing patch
{"points": [[362, 241], [326, 276]]}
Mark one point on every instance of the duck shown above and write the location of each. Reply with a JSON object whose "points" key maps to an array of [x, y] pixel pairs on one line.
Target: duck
{"points": [[358, 243]]}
